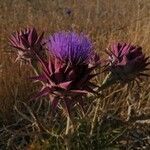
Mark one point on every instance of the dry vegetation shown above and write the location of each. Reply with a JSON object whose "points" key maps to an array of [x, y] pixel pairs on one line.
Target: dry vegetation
{"points": [[123, 115]]}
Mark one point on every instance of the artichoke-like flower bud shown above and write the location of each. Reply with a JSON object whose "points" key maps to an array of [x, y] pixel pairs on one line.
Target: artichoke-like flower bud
{"points": [[126, 63], [67, 73], [28, 44]]}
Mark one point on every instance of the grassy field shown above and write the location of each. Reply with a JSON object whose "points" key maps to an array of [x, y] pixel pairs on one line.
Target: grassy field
{"points": [[123, 119]]}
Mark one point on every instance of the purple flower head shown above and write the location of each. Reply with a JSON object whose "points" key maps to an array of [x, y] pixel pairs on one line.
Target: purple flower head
{"points": [[67, 73], [127, 62], [70, 47], [27, 42]]}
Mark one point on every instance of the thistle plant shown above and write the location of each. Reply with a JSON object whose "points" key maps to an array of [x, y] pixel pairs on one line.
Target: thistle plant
{"points": [[67, 72], [126, 63], [28, 44], [65, 63]]}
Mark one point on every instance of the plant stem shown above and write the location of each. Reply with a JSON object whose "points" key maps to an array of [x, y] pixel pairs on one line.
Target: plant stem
{"points": [[94, 118], [35, 67], [67, 125], [67, 133], [98, 103]]}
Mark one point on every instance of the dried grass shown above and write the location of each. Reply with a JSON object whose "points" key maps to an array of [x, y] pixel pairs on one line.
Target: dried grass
{"points": [[105, 22]]}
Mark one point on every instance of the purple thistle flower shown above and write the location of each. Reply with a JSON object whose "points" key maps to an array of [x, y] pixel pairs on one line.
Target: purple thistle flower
{"points": [[126, 62], [27, 42], [70, 47], [67, 72]]}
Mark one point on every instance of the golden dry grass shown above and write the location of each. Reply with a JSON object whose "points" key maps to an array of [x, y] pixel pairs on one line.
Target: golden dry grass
{"points": [[104, 21]]}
